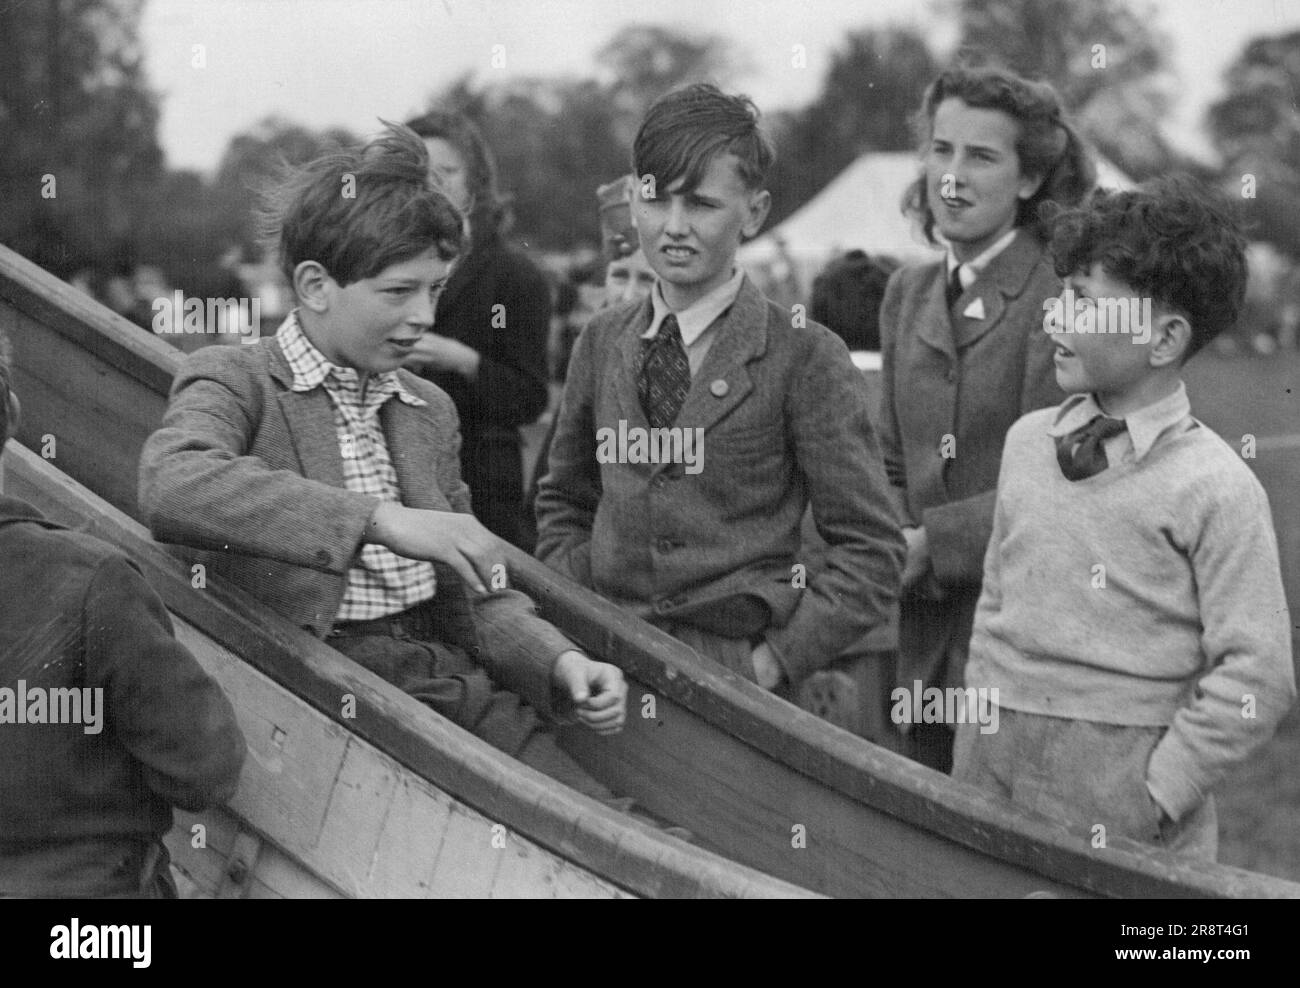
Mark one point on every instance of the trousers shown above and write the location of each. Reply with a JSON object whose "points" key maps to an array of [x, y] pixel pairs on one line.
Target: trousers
{"points": [[445, 679], [1083, 773]]}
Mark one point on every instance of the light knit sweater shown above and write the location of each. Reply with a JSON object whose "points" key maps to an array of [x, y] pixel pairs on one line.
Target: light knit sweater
{"points": [[1149, 594]]}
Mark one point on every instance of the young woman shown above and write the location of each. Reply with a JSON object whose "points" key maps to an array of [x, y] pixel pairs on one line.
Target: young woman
{"points": [[964, 351], [488, 345]]}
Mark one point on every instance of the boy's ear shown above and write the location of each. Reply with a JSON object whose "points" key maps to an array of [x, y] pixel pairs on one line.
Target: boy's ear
{"points": [[313, 285], [760, 204], [1171, 336]]}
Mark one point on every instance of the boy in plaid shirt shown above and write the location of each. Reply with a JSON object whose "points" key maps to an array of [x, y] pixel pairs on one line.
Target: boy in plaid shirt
{"points": [[328, 478]]}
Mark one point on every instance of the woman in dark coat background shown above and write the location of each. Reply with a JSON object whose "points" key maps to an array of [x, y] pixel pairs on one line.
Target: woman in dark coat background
{"points": [[487, 349]]}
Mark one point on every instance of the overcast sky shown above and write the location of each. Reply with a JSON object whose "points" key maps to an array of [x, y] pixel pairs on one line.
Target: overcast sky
{"points": [[348, 62]]}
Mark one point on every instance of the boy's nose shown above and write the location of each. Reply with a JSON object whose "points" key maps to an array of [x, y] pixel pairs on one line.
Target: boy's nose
{"points": [[422, 309], [676, 224]]}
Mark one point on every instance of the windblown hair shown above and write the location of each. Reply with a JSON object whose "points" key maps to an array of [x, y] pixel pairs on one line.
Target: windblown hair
{"points": [[687, 128], [358, 211], [1047, 145], [1171, 239], [488, 209]]}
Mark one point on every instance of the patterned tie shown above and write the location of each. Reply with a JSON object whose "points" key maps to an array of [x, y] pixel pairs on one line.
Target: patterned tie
{"points": [[665, 374], [1080, 453], [954, 287]]}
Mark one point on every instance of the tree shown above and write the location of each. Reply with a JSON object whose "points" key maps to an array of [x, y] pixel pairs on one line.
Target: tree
{"points": [[644, 61], [872, 87], [80, 157], [1105, 60], [557, 139], [1256, 130]]}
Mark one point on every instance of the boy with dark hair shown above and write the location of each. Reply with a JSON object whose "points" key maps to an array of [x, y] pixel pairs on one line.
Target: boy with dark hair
{"points": [[106, 720], [1132, 620], [330, 480], [707, 546]]}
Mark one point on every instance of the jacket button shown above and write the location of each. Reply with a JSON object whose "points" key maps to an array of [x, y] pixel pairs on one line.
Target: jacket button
{"points": [[664, 545], [659, 480], [323, 557]]}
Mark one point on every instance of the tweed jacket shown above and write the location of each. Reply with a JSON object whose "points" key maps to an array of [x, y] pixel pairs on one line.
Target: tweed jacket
{"points": [[246, 466], [953, 383], [784, 419], [77, 617]]}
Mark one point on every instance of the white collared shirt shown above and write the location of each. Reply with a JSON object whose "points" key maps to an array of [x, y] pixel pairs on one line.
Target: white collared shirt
{"points": [[1145, 425], [694, 320], [970, 270]]}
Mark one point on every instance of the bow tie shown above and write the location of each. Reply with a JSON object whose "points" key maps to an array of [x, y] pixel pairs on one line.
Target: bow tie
{"points": [[1080, 453]]}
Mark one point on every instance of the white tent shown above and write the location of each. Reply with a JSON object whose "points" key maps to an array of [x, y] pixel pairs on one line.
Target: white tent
{"points": [[859, 208]]}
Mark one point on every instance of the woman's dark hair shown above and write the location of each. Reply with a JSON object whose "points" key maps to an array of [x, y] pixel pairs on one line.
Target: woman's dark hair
{"points": [[1047, 145], [488, 209]]}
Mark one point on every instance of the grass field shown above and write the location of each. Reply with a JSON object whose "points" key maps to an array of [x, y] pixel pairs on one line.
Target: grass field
{"points": [[1259, 815]]}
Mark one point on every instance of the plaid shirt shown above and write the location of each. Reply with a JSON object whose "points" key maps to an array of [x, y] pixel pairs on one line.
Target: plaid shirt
{"points": [[381, 582]]}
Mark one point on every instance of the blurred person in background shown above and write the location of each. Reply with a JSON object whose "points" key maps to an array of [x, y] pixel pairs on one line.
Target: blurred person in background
{"points": [[964, 350], [487, 349], [846, 298], [628, 279]]}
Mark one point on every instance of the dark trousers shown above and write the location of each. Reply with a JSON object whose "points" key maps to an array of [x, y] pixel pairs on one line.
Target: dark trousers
{"points": [[404, 651], [94, 868]]}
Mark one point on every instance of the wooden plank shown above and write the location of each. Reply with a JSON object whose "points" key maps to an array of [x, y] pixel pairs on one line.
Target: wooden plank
{"points": [[467, 861], [407, 851], [294, 754], [992, 837], [279, 876], [241, 866], [739, 732], [330, 802], [359, 802], [589, 834], [81, 408], [204, 867]]}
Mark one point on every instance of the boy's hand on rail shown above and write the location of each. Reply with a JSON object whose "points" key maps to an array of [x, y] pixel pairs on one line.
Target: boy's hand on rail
{"points": [[597, 691]]}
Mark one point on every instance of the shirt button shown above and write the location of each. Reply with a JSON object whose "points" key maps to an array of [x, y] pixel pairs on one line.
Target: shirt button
{"points": [[665, 545], [952, 377]]}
